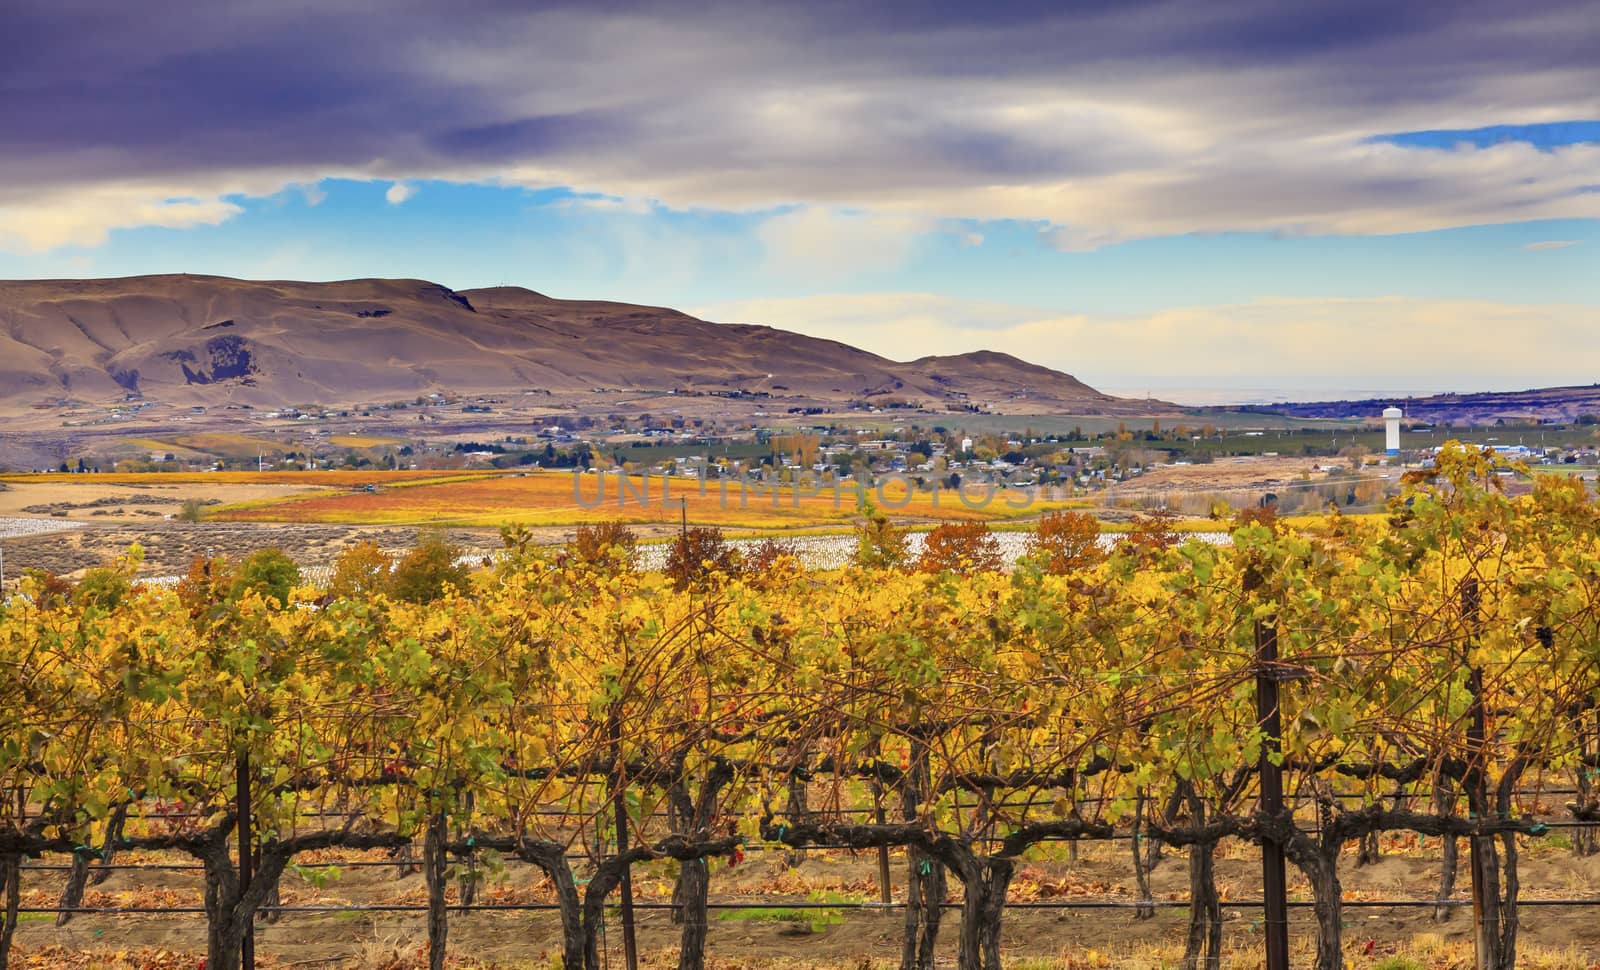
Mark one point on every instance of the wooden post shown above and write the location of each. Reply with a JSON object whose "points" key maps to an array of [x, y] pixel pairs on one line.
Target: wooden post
{"points": [[885, 888], [1274, 881], [1485, 897], [247, 958], [630, 951], [1483, 904]]}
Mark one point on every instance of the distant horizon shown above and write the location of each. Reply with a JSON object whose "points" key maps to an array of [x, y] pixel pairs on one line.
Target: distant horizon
{"points": [[1215, 396]]}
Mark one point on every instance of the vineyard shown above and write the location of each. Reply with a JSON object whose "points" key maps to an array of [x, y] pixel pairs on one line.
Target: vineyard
{"points": [[554, 498], [1312, 694]]}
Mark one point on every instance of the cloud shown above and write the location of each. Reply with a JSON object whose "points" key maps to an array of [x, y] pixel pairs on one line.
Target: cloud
{"points": [[827, 245], [1102, 122], [1399, 343], [605, 204], [85, 217], [398, 193], [314, 195], [1551, 244]]}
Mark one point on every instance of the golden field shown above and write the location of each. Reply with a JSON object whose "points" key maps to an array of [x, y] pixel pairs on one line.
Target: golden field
{"points": [[556, 498]]}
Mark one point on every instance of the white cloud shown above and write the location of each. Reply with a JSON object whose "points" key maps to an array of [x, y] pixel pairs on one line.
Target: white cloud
{"points": [[828, 245], [398, 193], [85, 216], [1539, 247], [605, 205], [1390, 341], [314, 195]]}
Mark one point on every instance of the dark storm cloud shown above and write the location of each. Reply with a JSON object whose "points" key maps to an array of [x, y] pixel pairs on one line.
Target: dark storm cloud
{"points": [[744, 104], [529, 137]]}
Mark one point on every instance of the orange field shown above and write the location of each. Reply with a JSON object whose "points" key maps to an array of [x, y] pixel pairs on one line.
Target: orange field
{"points": [[560, 498]]}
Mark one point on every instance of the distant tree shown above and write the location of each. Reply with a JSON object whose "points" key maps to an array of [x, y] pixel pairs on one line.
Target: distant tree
{"points": [[269, 572], [192, 510], [696, 554], [361, 570], [1066, 542], [423, 574], [1369, 491], [960, 547]]}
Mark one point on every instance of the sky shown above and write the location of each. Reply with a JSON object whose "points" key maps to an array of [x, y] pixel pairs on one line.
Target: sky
{"points": [[1233, 200]]}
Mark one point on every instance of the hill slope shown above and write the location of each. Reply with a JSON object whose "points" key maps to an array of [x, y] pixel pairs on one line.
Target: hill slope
{"points": [[213, 340]]}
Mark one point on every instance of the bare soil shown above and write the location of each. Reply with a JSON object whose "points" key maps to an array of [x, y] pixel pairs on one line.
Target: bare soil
{"points": [[836, 938], [99, 502], [1230, 473]]}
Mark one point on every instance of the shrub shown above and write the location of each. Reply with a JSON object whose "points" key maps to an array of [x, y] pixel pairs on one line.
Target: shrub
{"points": [[360, 571], [605, 546], [696, 554], [423, 574], [879, 544], [49, 590], [192, 510], [1266, 515], [960, 547], [208, 582], [767, 561], [1066, 542], [1152, 532], [269, 572], [102, 588]]}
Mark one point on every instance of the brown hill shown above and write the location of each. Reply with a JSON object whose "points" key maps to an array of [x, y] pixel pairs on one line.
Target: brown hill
{"points": [[211, 340]]}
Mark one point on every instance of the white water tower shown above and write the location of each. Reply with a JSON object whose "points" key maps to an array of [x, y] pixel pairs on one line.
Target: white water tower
{"points": [[1391, 429]]}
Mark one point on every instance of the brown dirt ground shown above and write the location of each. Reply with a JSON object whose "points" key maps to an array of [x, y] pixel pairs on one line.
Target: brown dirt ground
{"points": [[1224, 473], [849, 939]]}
